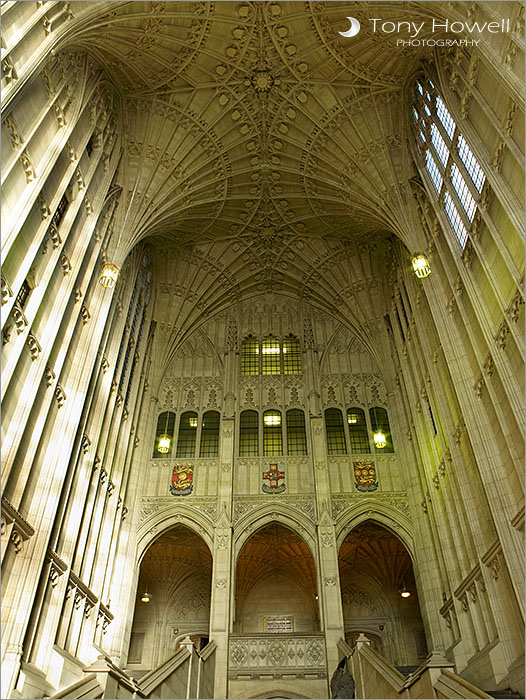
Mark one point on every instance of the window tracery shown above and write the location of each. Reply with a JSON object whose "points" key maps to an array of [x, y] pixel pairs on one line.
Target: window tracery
{"points": [[451, 166]]}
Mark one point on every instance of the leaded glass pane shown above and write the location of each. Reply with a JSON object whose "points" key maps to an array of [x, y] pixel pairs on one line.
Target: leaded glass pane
{"points": [[187, 435], [291, 355], [335, 433], [210, 435], [248, 434], [270, 355], [272, 434], [358, 433], [296, 435]]}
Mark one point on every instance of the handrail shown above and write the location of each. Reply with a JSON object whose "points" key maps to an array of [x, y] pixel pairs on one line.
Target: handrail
{"points": [[158, 675], [457, 687], [434, 678], [87, 687]]}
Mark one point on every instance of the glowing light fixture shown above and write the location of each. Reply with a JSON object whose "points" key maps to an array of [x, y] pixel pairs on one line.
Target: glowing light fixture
{"points": [[164, 440], [109, 275], [272, 419], [352, 418], [405, 592], [164, 443], [146, 597], [420, 265], [192, 422], [379, 439]]}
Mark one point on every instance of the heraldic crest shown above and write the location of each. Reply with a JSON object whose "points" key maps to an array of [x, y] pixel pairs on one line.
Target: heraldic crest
{"points": [[182, 480], [365, 476]]}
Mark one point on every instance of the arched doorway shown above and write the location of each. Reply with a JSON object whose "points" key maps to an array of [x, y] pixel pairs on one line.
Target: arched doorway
{"points": [[375, 568], [276, 584], [176, 572]]}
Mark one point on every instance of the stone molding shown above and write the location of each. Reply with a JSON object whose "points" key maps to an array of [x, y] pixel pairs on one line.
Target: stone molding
{"points": [[249, 503]]}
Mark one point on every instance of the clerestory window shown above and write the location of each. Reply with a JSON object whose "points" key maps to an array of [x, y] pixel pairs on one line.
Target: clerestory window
{"points": [[453, 170], [270, 355]]}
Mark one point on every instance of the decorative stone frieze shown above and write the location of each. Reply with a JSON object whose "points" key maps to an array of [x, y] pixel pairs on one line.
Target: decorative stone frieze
{"points": [[272, 653], [342, 503], [245, 504]]}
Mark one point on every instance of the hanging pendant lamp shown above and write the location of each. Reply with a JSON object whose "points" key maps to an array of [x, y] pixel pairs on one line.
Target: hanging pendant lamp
{"points": [[165, 440]]}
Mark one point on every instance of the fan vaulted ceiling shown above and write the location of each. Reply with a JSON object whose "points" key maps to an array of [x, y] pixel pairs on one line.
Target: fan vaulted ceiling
{"points": [[257, 121], [261, 150]]}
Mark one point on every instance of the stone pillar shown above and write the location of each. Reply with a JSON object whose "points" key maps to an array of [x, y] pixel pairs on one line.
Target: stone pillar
{"points": [[328, 572], [222, 572], [220, 604]]}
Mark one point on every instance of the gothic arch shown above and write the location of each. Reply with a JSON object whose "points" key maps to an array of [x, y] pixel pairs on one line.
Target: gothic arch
{"points": [[386, 516], [264, 515], [163, 520]]}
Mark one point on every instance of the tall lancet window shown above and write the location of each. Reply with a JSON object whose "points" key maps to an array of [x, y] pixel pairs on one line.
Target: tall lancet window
{"points": [[270, 355], [210, 435], [272, 434], [187, 434], [296, 435], [358, 433], [250, 355], [453, 170], [335, 432], [248, 434], [380, 424], [291, 355]]}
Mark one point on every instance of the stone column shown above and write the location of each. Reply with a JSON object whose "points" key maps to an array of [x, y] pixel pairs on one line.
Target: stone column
{"points": [[222, 573], [220, 604], [328, 573]]}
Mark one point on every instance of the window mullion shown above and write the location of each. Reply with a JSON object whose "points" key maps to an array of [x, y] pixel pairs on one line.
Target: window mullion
{"points": [[460, 207], [463, 170]]}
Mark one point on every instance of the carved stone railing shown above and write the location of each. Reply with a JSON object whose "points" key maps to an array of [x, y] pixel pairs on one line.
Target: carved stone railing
{"points": [[279, 655]]}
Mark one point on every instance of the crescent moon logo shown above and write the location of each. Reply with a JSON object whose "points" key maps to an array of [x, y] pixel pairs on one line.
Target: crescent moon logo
{"points": [[354, 28]]}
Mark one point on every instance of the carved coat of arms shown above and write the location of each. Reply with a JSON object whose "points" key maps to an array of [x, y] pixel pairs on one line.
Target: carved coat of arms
{"points": [[182, 480], [274, 476], [365, 476]]}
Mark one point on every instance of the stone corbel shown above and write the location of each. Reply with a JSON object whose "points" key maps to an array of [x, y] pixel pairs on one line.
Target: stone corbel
{"points": [[56, 567], [21, 530], [7, 292]]}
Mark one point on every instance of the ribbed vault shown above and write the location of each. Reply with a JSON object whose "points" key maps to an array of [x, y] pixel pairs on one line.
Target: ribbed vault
{"points": [[274, 550], [261, 150]]}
